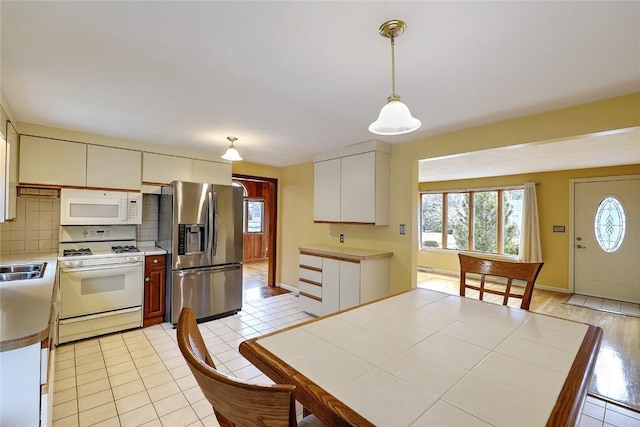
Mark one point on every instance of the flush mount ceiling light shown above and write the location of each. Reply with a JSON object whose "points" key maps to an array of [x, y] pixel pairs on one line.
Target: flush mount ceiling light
{"points": [[232, 154], [395, 117]]}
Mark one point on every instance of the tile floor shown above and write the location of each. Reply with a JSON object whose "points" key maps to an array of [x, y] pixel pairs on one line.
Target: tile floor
{"points": [[604, 304], [139, 378]]}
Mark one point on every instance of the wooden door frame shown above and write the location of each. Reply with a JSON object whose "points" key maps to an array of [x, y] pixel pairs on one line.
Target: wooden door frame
{"points": [[273, 221], [572, 213]]}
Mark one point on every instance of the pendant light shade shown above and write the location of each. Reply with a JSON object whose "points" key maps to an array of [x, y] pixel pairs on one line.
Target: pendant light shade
{"points": [[232, 154], [395, 117]]}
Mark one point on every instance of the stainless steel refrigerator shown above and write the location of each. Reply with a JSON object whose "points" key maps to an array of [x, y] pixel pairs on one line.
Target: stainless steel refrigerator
{"points": [[201, 229]]}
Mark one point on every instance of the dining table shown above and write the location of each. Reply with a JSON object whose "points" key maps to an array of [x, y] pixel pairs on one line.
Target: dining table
{"points": [[427, 358]]}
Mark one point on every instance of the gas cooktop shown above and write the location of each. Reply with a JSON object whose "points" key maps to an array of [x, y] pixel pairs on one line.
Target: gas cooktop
{"points": [[124, 249]]}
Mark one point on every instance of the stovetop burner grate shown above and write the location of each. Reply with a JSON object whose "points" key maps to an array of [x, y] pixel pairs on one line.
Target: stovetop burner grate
{"points": [[76, 252], [124, 249]]}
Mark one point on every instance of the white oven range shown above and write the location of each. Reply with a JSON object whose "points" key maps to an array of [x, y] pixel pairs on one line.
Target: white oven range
{"points": [[100, 281]]}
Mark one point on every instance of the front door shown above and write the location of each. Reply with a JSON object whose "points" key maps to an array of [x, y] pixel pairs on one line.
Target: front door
{"points": [[607, 238]]}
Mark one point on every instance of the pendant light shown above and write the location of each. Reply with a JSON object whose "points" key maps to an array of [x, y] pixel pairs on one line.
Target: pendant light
{"points": [[232, 154], [395, 117]]}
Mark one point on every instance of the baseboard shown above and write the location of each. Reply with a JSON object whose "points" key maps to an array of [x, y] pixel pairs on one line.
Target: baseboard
{"points": [[456, 274], [291, 289]]}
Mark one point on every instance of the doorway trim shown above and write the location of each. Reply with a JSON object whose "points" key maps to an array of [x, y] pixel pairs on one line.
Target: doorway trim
{"points": [[572, 213], [273, 222]]}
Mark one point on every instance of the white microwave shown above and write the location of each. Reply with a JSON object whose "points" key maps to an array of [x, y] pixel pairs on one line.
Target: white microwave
{"points": [[95, 207]]}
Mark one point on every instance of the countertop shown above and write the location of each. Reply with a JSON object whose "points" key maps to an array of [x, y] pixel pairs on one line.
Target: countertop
{"points": [[342, 252], [150, 248], [25, 305]]}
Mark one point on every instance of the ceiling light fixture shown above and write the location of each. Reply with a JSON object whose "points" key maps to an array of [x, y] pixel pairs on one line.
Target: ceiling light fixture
{"points": [[395, 117], [232, 154]]}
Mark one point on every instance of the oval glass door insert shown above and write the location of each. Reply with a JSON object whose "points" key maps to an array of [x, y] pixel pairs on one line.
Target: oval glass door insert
{"points": [[610, 224]]}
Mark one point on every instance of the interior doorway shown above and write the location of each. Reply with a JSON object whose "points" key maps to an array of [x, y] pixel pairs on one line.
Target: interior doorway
{"points": [[259, 229], [606, 238]]}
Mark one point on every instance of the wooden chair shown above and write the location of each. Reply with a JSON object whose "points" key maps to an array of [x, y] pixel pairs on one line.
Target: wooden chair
{"points": [[524, 271], [236, 402]]}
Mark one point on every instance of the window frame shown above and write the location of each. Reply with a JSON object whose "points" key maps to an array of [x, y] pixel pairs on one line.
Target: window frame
{"points": [[470, 192], [245, 227]]}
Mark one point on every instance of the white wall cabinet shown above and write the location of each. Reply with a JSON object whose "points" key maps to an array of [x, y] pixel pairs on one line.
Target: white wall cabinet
{"points": [[211, 172], [331, 283], [52, 162], [109, 167], [161, 169], [47, 161], [326, 190], [351, 185], [8, 170]]}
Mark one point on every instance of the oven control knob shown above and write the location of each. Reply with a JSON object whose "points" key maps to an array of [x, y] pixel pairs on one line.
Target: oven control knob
{"points": [[77, 263], [67, 264]]}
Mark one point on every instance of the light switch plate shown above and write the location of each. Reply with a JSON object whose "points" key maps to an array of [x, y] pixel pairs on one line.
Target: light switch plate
{"points": [[403, 229]]}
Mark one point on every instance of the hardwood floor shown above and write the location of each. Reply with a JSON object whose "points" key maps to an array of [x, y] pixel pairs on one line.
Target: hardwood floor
{"points": [[617, 373], [254, 282]]}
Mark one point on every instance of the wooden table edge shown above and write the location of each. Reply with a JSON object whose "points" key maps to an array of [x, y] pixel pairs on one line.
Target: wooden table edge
{"points": [[568, 407]]}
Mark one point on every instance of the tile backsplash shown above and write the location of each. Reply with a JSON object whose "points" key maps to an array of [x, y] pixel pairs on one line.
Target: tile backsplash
{"points": [[148, 230], [36, 227]]}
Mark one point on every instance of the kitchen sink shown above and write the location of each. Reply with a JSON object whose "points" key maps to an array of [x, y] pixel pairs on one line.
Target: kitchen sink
{"points": [[9, 273]]}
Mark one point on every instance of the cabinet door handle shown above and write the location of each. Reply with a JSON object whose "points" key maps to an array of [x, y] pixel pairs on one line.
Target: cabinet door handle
{"points": [[155, 261], [146, 279]]}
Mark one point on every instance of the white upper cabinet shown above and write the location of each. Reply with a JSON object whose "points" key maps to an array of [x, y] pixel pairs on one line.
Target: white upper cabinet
{"points": [[109, 167], [211, 172], [11, 175], [352, 184], [326, 190], [162, 169], [45, 161], [52, 162]]}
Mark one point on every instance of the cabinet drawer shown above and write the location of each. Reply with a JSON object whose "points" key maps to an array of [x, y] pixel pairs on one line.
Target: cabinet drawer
{"points": [[310, 305], [154, 260], [312, 275], [311, 261], [310, 288]]}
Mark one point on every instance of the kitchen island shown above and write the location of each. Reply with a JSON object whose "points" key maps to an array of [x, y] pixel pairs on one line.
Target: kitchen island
{"points": [[28, 311]]}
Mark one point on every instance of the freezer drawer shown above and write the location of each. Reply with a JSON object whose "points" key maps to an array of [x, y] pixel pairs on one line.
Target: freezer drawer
{"points": [[208, 291]]}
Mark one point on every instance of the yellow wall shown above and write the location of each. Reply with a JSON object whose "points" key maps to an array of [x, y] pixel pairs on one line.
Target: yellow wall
{"points": [[553, 208], [297, 185]]}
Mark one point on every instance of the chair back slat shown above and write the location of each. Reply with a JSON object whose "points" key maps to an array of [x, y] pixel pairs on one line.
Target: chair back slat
{"points": [[522, 271], [235, 402]]}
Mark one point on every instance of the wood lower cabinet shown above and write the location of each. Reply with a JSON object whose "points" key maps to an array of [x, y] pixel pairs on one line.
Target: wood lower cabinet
{"points": [[154, 289]]}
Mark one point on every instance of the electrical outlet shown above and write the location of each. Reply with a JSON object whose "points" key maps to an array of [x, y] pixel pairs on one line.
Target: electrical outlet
{"points": [[342, 238], [329, 237]]}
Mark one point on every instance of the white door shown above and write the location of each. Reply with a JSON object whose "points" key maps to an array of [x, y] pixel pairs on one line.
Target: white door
{"points": [[607, 238]]}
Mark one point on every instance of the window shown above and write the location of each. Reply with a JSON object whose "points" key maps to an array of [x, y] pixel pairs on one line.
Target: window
{"points": [[610, 224], [482, 220], [253, 215]]}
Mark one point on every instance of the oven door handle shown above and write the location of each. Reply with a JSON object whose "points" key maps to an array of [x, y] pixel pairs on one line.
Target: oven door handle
{"points": [[100, 267]]}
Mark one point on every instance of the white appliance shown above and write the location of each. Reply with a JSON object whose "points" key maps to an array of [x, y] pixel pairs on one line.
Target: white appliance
{"points": [[101, 281], [96, 207]]}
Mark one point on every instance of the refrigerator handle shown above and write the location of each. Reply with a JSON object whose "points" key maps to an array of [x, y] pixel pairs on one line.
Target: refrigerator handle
{"points": [[210, 228], [215, 227]]}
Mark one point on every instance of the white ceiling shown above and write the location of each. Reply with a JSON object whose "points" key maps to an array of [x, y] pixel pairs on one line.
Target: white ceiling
{"points": [[290, 79]]}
